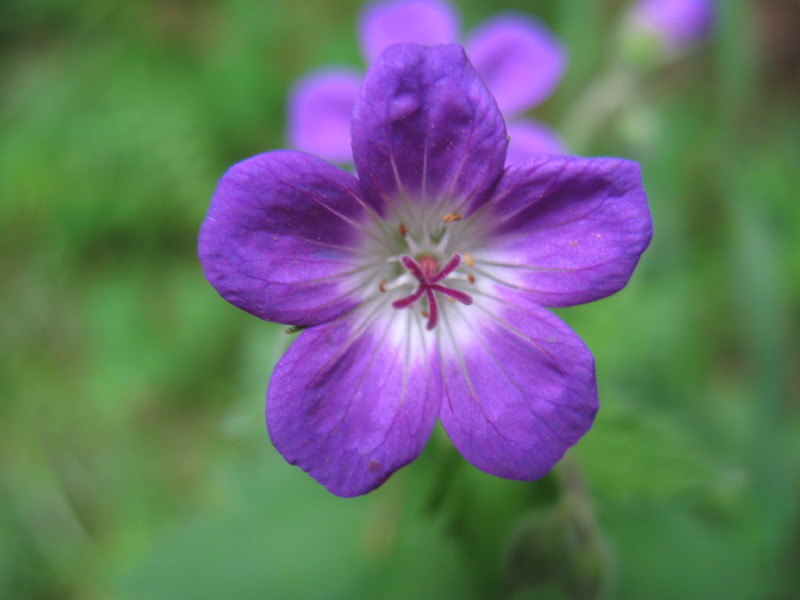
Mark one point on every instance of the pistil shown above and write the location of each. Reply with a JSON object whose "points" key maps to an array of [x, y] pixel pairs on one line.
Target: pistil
{"points": [[427, 273]]}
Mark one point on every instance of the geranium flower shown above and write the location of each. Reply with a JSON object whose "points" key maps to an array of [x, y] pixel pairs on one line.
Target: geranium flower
{"points": [[674, 24], [518, 58], [421, 283]]}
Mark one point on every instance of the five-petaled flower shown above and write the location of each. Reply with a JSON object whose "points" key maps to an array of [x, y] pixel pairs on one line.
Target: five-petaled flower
{"points": [[421, 283], [518, 58]]}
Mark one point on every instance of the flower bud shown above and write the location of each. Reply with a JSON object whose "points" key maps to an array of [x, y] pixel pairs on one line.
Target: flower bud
{"points": [[553, 549], [657, 30]]}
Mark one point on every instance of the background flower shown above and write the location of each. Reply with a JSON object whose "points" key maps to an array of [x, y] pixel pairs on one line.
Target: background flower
{"points": [[673, 24], [520, 61]]}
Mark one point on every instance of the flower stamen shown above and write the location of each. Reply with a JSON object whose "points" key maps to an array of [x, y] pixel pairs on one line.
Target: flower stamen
{"points": [[384, 286]]}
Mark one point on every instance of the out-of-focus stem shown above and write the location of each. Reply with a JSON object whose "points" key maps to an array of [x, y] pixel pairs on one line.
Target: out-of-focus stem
{"points": [[603, 99]]}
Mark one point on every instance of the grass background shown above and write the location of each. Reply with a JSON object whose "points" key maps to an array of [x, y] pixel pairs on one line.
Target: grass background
{"points": [[134, 458]]}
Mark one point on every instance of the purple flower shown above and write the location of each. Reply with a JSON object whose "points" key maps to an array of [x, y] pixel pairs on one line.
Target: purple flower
{"points": [[421, 283], [675, 24], [518, 58]]}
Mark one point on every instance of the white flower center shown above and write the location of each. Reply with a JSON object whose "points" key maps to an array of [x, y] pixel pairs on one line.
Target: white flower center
{"points": [[422, 269]]}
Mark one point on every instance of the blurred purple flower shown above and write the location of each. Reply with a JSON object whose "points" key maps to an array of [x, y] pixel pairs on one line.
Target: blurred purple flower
{"points": [[422, 283], [519, 60], [674, 23]]}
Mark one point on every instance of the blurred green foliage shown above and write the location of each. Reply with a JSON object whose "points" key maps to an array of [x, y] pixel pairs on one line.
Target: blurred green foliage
{"points": [[135, 464]]}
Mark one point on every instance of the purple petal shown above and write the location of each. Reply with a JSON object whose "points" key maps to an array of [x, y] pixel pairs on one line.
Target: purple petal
{"points": [[566, 230], [281, 238], [520, 61], [675, 22], [531, 139], [319, 113], [519, 388], [426, 130], [351, 402], [427, 22]]}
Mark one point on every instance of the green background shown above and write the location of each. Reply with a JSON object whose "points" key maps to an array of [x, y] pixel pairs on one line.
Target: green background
{"points": [[134, 458]]}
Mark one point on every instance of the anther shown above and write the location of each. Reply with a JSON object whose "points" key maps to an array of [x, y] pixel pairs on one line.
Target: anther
{"points": [[403, 229], [382, 286], [471, 278], [451, 217], [468, 260]]}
